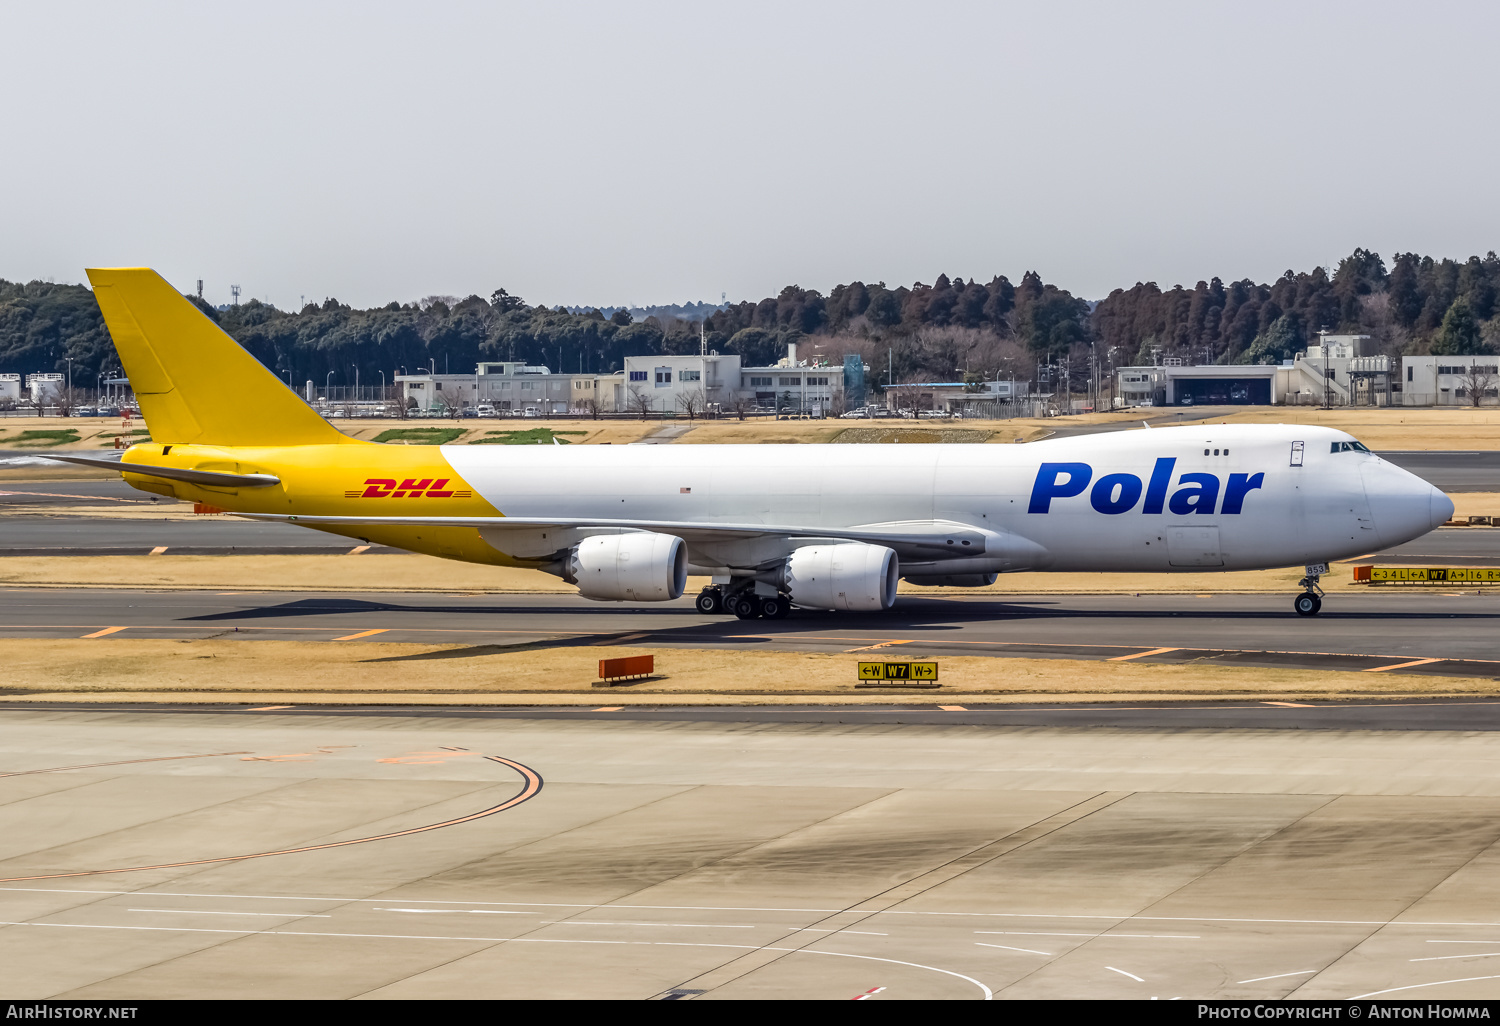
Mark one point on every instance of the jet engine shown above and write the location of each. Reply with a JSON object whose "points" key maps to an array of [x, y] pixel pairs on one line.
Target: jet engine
{"points": [[849, 575], [640, 566]]}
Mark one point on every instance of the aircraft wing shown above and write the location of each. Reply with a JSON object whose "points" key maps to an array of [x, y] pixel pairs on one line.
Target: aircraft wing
{"points": [[927, 539]]}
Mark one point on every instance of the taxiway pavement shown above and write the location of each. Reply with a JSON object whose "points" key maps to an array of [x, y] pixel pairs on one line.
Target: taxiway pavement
{"points": [[245, 854], [1444, 634]]}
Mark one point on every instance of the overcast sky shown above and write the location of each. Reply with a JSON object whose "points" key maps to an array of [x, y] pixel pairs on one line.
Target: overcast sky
{"points": [[661, 152]]}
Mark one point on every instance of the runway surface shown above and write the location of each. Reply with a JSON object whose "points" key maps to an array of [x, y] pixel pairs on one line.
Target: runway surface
{"points": [[1441, 634], [242, 854], [1473, 471]]}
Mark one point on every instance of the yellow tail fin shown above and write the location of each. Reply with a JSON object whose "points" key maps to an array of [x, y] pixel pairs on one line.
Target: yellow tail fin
{"points": [[195, 384]]}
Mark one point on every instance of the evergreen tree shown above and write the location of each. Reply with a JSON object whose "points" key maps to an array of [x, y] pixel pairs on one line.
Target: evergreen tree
{"points": [[1460, 334]]}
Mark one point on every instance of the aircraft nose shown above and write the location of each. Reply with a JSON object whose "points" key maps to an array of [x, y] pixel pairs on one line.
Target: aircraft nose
{"points": [[1403, 505], [1441, 508]]}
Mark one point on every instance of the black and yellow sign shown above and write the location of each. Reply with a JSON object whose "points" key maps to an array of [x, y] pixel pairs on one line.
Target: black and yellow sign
{"points": [[898, 671], [1435, 574]]}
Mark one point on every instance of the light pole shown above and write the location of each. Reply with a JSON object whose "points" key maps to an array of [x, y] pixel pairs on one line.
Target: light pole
{"points": [[1323, 345], [328, 385], [356, 381]]}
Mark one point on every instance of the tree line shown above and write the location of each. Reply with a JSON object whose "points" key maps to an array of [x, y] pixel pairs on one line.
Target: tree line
{"points": [[941, 331]]}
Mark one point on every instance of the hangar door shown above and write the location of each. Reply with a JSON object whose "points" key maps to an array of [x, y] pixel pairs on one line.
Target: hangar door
{"points": [[1224, 391]]}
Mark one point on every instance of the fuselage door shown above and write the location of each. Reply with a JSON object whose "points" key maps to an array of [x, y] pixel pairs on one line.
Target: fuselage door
{"points": [[1194, 546], [1297, 450]]}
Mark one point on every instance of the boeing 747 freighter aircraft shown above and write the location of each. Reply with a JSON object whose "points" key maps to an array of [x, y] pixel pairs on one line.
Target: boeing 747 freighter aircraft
{"points": [[775, 526]]}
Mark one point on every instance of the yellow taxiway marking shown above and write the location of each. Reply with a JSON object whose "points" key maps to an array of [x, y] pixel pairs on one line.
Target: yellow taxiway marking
{"points": [[882, 644], [1401, 666], [157, 551], [357, 550], [106, 631], [1288, 705], [953, 708], [268, 708], [1137, 655], [362, 634], [618, 641], [609, 708]]}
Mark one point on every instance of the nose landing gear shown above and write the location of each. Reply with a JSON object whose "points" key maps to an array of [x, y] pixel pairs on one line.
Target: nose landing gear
{"points": [[1310, 602]]}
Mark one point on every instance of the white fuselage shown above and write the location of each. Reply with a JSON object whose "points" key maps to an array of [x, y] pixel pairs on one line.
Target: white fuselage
{"points": [[1233, 497]]}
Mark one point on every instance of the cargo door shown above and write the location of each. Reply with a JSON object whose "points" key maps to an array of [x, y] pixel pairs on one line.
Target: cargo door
{"points": [[1193, 546]]}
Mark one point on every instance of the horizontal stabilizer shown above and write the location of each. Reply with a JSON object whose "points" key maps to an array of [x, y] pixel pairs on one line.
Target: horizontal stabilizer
{"points": [[212, 479]]}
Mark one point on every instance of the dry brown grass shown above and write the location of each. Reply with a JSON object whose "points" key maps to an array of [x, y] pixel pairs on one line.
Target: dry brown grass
{"points": [[1391, 429], [120, 669], [384, 573], [418, 573]]}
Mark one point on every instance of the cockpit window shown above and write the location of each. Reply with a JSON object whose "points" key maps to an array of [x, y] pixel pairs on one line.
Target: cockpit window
{"points": [[1348, 447]]}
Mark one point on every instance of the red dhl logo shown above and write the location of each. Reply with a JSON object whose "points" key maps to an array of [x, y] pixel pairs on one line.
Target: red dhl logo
{"points": [[389, 488]]}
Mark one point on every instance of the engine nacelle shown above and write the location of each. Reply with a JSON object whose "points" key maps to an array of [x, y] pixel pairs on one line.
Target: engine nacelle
{"points": [[952, 580], [638, 567], [848, 575]]}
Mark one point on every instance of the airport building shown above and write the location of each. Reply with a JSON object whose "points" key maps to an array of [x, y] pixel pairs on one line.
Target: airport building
{"points": [[657, 384], [1176, 383], [10, 387], [1337, 371], [1449, 380], [960, 398]]}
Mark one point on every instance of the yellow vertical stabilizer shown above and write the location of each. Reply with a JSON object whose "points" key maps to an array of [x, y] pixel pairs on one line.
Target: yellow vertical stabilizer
{"points": [[195, 384]]}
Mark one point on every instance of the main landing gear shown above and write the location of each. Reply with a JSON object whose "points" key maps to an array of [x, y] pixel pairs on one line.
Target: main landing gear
{"points": [[744, 604], [1310, 602]]}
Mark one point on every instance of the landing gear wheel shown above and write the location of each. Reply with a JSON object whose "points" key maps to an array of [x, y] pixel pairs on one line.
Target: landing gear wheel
{"points": [[1307, 604], [775, 608], [710, 601], [746, 607]]}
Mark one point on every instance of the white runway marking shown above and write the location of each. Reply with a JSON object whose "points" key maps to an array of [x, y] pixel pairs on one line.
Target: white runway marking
{"points": [[988, 994], [1280, 976], [454, 911], [1118, 919], [198, 912], [1495, 942], [1122, 972], [1418, 986], [1006, 947], [590, 922], [1444, 958], [1133, 936], [824, 929]]}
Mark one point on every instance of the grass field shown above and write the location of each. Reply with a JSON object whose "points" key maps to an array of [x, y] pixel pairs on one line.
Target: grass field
{"points": [[118, 668]]}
